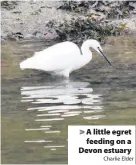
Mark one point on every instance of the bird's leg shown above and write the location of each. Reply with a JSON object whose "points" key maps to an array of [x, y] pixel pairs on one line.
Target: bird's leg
{"points": [[66, 74]]}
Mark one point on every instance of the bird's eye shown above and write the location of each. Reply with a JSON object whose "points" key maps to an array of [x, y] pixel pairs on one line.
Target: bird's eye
{"points": [[100, 50]]}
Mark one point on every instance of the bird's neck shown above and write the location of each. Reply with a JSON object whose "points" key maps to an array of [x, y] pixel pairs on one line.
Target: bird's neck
{"points": [[86, 51], [86, 56]]}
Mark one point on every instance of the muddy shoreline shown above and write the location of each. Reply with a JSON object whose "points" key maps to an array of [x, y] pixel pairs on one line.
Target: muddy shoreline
{"points": [[58, 20]]}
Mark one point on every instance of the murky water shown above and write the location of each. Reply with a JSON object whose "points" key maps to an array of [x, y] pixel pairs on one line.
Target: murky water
{"points": [[37, 108]]}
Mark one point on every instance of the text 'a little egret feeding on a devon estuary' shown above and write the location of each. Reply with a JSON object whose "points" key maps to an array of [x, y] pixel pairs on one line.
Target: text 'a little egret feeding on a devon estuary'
{"points": [[63, 58]]}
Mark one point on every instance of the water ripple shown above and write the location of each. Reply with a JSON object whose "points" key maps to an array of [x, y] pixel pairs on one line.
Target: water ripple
{"points": [[59, 102]]}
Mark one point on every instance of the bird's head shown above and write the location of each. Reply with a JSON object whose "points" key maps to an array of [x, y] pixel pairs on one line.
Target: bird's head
{"points": [[97, 47]]}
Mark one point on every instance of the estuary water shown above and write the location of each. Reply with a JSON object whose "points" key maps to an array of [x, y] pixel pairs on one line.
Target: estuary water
{"points": [[37, 108]]}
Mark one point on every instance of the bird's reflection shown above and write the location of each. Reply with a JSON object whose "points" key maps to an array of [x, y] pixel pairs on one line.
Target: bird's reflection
{"points": [[58, 102], [72, 93]]}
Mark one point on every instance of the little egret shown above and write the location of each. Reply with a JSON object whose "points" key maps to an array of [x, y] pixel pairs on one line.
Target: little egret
{"points": [[63, 58]]}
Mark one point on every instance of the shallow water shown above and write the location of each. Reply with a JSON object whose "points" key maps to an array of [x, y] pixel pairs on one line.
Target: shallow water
{"points": [[37, 108]]}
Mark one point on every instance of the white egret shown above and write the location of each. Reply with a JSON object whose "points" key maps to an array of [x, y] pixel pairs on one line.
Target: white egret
{"points": [[63, 58]]}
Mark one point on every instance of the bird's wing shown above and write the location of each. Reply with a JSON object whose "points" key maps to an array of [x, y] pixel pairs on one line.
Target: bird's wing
{"points": [[55, 58]]}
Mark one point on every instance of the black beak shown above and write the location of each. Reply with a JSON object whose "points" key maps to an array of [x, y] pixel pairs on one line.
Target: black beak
{"points": [[104, 56]]}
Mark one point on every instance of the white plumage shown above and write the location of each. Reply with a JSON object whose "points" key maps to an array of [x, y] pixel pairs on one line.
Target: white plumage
{"points": [[62, 58]]}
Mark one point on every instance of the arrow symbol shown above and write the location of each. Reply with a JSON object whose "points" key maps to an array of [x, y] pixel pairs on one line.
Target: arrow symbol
{"points": [[82, 132]]}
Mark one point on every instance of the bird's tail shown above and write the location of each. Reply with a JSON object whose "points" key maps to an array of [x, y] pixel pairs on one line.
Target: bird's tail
{"points": [[27, 64]]}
